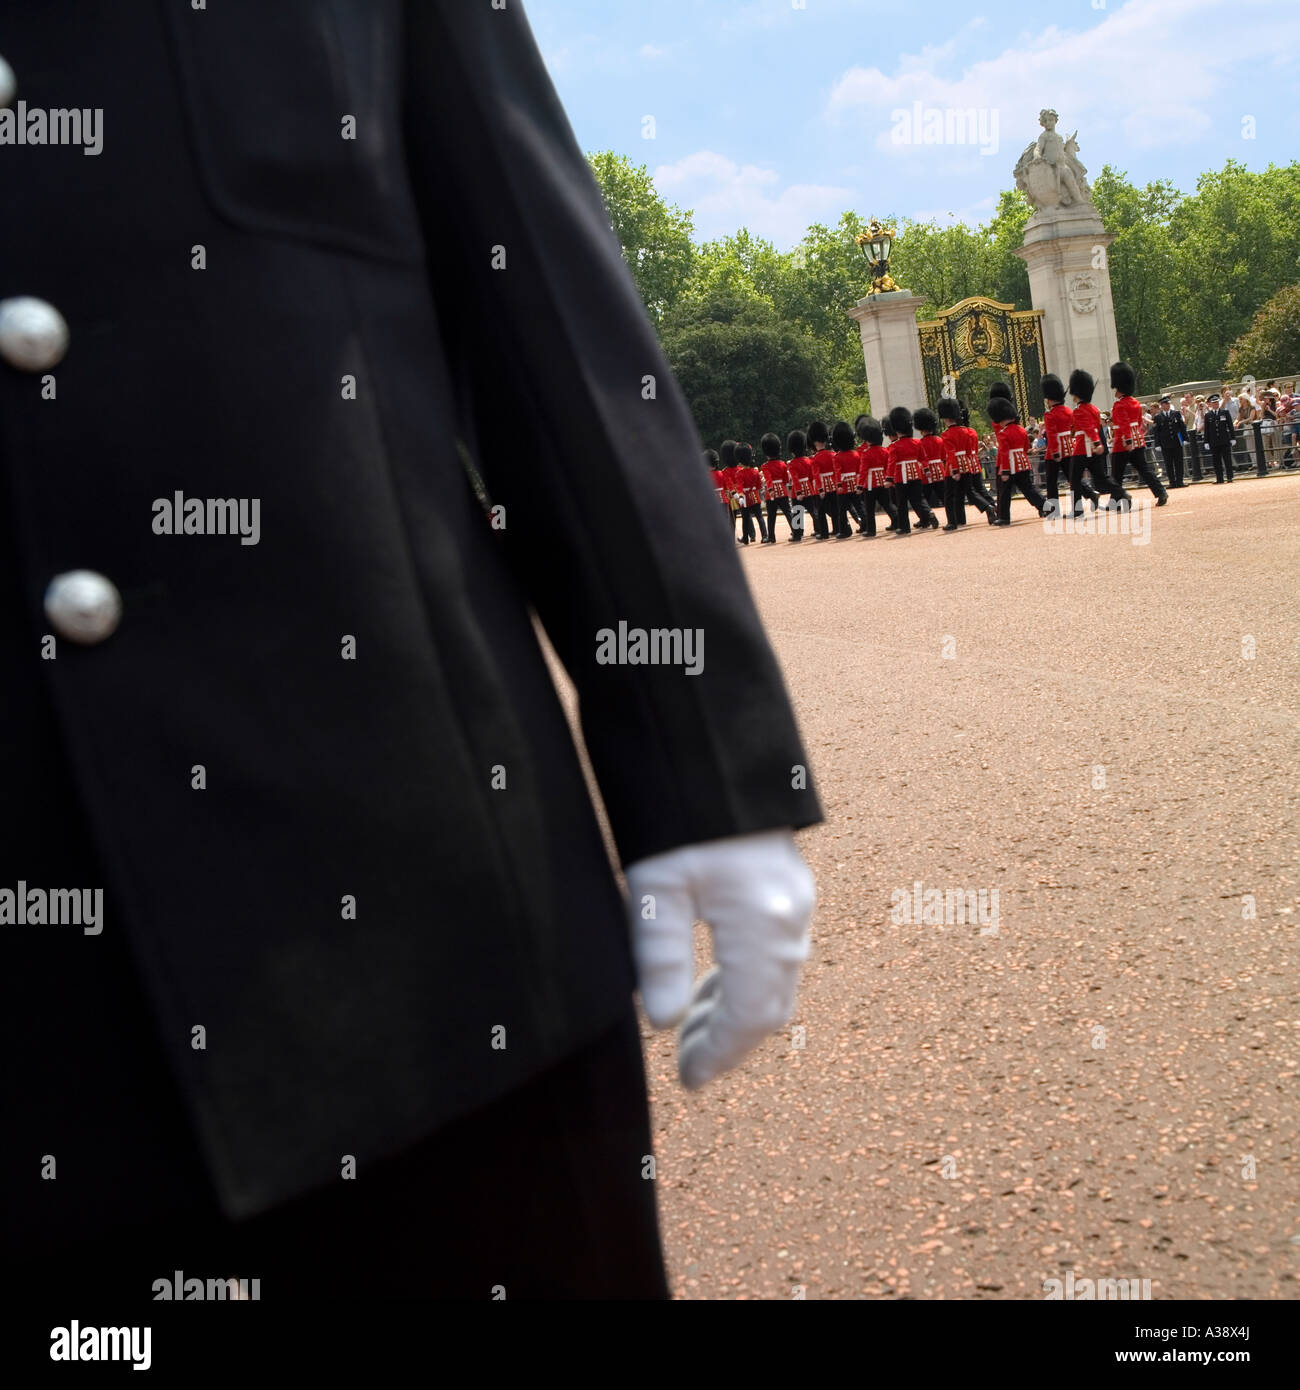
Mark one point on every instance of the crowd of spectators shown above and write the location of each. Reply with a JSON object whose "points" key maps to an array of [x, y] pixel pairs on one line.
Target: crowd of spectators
{"points": [[1274, 406]]}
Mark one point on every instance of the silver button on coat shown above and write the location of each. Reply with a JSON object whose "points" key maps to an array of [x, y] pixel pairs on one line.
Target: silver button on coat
{"points": [[83, 606], [7, 84], [33, 334]]}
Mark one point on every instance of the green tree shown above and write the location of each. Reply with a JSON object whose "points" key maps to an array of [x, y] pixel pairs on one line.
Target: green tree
{"points": [[1271, 345], [1143, 269], [743, 368], [655, 236], [1238, 243]]}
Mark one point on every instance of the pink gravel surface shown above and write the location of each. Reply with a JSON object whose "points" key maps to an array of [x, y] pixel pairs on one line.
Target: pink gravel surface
{"points": [[1108, 1084]]}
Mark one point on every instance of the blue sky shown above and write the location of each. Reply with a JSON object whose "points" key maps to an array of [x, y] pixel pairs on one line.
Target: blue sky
{"points": [[772, 114]]}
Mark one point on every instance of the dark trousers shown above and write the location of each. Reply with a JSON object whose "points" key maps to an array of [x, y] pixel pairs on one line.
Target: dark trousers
{"points": [[823, 514], [978, 494], [1173, 457], [1096, 466], [877, 496], [912, 495], [752, 514], [954, 501], [541, 1195], [1119, 463], [1221, 457], [1007, 484], [1079, 490], [781, 504]]}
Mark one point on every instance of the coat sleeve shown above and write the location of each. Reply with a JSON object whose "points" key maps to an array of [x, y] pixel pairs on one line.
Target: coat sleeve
{"points": [[581, 433]]}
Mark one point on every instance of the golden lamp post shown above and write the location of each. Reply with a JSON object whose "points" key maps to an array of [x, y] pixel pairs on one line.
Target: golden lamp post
{"points": [[875, 244]]}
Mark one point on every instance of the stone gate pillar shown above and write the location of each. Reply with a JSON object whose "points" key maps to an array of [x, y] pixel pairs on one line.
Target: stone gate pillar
{"points": [[1069, 279], [891, 349]]}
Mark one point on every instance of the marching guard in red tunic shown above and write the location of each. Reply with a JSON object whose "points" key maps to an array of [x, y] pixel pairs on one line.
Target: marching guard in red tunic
{"points": [[934, 462], [908, 474], [1013, 458], [803, 477], [1058, 427], [846, 479], [749, 481], [961, 445], [1089, 451], [823, 462], [1128, 442], [777, 482], [873, 475]]}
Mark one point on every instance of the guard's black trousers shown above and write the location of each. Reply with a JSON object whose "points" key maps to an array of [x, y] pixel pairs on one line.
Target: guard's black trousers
{"points": [[1173, 457], [1079, 491], [1221, 456], [912, 495], [1096, 465], [881, 496], [752, 514], [825, 514], [1007, 484], [1120, 461], [977, 494], [782, 505], [954, 501]]}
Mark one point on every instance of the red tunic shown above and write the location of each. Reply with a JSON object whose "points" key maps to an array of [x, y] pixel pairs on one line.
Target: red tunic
{"points": [[905, 461], [1013, 448], [720, 486], [846, 471], [1087, 430], [961, 444], [823, 462], [776, 475], [803, 475], [751, 486], [873, 466], [1058, 425], [1126, 429], [732, 475], [934, 458]]}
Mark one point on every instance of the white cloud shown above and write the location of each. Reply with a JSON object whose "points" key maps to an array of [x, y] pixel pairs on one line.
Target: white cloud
{"points": [[651, 51], [726, 196], [1112, 78]]}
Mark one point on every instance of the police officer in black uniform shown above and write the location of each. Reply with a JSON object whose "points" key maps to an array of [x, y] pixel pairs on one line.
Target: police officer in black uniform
{"points": [[1171, 436], [1220, 435]]}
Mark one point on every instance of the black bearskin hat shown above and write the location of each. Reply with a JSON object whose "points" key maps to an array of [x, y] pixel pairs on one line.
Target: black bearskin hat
{"points": [[1000, 409], [900, 418], [926, 420], [796, 444], [727, 452], [869, 430], [1123, 378], [948, 408], [817, 433], [711, 458], [1081, 384], [770, 445], [842, 436], [744, 456], [999, 389], [1052, 388]]}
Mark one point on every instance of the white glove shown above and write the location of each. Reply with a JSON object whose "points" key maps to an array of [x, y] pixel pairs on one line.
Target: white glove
{"points": [[757, 896]]}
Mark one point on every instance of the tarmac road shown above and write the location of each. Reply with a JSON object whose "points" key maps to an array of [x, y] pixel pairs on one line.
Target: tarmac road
{"points": [[1106, 1084]]}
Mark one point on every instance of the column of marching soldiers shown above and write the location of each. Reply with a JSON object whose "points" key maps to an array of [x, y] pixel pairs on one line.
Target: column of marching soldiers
{"points": [[916, 461]]}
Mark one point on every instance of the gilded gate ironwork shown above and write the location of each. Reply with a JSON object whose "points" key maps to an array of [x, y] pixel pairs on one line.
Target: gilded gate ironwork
{"points": [[981, 332]]}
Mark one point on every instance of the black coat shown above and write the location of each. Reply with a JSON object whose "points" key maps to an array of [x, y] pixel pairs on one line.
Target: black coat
{"points": [[1219, 428], [1169, 429], [456, 261]]}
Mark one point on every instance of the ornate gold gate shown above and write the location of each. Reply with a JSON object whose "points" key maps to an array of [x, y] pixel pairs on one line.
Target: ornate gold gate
{"points": [[983, 333]]}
